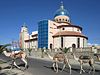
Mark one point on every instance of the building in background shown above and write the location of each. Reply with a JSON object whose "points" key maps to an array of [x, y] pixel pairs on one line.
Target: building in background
{"points": [[24, 35], [56, 33], [32, 41], [26, 40]]}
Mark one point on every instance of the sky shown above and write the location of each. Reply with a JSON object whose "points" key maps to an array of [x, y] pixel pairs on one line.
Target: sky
{"points": [[14, 13]]}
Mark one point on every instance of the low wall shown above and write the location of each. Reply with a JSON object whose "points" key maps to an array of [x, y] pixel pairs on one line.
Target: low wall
{"points": [[39, 53]]}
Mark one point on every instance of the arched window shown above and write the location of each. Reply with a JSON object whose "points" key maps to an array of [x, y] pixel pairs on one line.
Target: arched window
{"points": [[63, 20], [78, 42], [60, 20], [83, 42], [73, 47], [61, 42], [66, 19], [50, 46], [78, 29], [63, 28]]}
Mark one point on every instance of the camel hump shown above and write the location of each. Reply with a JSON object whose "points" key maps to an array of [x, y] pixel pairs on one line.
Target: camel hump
{"points": [[59, 55], [60, 52], [20, 52], [84, 57]]}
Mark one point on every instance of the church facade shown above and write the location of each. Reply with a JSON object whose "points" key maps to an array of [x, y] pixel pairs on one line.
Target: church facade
{"points": [[56, 33]]}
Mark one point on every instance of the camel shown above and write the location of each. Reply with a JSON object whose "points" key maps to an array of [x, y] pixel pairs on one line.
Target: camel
{"points": [[85, 59], [98, 56], [59, 57], [16, 54]]}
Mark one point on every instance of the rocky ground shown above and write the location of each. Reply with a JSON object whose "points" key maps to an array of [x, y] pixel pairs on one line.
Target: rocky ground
{"points": [[5, 69]]}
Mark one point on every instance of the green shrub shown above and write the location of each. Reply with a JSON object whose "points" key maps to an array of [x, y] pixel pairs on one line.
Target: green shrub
{"points": [[65, 50]]}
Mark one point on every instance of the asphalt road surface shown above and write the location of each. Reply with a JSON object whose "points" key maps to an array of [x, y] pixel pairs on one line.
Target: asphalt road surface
{"points": [[43, 67]]}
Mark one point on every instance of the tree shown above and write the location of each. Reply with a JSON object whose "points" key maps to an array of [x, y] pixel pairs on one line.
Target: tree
{"points": [[30, 50], [2, 47], [65, 50]]}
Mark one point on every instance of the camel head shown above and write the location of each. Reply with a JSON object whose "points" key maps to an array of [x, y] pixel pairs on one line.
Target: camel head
{"points": [[46, 52], [6, 53]]}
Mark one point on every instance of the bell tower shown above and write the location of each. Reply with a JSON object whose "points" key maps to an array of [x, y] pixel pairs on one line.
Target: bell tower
{"points": [[24, 35]]}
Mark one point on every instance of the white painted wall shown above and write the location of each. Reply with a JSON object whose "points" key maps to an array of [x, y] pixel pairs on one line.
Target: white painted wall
{"points": [[57, 43], [68, 41]]}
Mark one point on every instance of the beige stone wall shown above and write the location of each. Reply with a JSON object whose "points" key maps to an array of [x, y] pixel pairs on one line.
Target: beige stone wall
{"points": [[52, 29], [62, 18], [57, 43], [31, 44], [68, 41]]}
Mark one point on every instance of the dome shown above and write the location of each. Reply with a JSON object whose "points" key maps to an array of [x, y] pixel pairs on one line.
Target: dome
{"points": [[61, 11], [61, 15]]}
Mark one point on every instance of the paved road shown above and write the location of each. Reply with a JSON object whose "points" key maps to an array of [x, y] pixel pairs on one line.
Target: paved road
{"points": [[43, 67]]}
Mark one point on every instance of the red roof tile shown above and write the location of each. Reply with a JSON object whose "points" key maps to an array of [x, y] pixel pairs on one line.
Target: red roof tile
{"points": [[69, 33]]}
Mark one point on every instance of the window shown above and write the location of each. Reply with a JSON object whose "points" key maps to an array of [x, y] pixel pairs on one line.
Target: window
{"points": [[68, 21], [78, 42], [73, 46], [60, 20], [77, 29], [61, 42], [63, 20], [63, 28], [50, 46], [43, 34], [83, 42]]}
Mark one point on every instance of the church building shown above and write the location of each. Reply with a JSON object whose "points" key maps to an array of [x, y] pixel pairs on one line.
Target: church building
{"points": [[56, 33]]}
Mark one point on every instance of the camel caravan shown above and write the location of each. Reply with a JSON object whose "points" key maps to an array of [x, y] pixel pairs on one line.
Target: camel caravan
{"points": [[58, 57], [62, 57]]}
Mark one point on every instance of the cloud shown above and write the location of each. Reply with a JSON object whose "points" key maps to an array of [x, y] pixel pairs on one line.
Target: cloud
{"points": [[93, 44]]}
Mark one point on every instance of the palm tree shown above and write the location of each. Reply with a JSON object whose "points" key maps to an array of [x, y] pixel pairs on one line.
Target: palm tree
{"points": [[65, 50], [2, 47], [30, 50]]}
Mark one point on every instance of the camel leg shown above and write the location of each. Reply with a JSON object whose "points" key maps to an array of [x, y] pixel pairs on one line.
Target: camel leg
{"points": [[57, 67], [54, 66], [92, 68], [24, 62], [12, 64], [82, 70], [98, 58], [91, 63], [63, 67], [16, 65], [69, 67]]}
